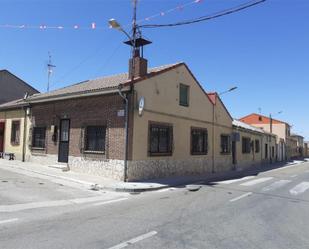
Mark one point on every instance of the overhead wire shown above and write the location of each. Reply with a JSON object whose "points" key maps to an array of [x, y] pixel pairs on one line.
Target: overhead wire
{"points": [[206, 17]]}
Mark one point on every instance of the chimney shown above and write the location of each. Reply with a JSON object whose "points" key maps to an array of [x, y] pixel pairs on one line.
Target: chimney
{"points": [[140, 66], [140, 63]]}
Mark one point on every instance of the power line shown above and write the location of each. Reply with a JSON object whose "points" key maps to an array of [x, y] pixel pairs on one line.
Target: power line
{"points": [[207, 17]]}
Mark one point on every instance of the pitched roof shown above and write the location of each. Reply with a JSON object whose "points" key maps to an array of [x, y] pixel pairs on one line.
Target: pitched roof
{"points": [[246, 126], [100, 84], [13, 104], [255, 118], [21, 81]]}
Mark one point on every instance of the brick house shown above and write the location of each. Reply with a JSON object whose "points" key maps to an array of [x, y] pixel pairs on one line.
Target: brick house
{"points": [[172, 127]]}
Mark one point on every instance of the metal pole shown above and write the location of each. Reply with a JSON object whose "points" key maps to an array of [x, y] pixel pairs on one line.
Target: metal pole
{"points": [[213, 135], [270, 123]]}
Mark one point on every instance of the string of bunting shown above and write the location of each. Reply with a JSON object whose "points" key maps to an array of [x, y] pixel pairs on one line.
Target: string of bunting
{"points": [[93, 25]]}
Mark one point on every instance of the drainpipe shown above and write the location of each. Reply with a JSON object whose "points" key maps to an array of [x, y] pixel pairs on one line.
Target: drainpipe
{"points": [[126, 126]]}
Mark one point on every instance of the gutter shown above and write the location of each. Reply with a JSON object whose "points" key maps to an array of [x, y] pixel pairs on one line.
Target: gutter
{"points": [[24, 134]]}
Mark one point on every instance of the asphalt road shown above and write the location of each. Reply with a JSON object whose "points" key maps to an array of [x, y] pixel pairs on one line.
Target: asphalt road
{"points": [[269, 210]]}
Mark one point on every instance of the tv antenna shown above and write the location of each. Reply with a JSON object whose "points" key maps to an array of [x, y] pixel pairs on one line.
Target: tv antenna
{"points": [[50, 67]]}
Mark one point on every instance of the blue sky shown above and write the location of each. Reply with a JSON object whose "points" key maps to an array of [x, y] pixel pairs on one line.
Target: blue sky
{"points": [[263, 50]]}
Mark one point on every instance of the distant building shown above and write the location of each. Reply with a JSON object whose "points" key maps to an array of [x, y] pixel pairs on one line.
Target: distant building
{"points": [[277, 127], [298, 150], [12, 87]]}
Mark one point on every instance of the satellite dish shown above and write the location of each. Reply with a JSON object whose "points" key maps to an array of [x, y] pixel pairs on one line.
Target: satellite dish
{"points": [[141, 104]]}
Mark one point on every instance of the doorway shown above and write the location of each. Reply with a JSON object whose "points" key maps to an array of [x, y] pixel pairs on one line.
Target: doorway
{"points": [[64, 140], [2, 125], [234, 154]]}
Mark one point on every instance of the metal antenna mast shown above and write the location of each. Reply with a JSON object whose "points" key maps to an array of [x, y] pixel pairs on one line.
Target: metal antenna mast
{"points": [[50, 67]]}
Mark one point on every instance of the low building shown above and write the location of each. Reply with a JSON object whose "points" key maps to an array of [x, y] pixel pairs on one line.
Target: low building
{"points": [[280, 128], [252, 146], [298, 147], [14, 129]]}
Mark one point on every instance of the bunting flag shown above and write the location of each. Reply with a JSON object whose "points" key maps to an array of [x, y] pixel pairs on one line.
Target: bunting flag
{"points": [[93, 25]]}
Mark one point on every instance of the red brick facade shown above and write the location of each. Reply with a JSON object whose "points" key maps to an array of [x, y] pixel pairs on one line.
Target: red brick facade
{"points": [[82, 112]]}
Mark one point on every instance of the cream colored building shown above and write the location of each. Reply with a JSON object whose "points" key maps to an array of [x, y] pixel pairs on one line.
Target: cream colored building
{"points": [[15, 133]]}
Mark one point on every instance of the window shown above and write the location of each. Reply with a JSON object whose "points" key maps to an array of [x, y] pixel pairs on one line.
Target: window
{"points": [[183, 95], [199, 141], [225, 144], [15, 132], [38, 137], [257, 146], [246, 145], [260, 118], [95, 138], [160, 139]]}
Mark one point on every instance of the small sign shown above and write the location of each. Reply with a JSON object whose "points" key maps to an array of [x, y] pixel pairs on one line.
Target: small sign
{"points": [[141, 105], [120, 113]]}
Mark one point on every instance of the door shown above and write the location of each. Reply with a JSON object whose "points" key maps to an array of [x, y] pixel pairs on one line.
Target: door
{"points": [[1, 137], [266, 151], [234, 154], [64, 139]]}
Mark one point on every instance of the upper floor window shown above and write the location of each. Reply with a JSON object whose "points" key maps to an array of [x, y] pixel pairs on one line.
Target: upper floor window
{"points": [[246, 145], [15, 132], [38, 137], [160, 139], [199, 141], [225, 144], [95, 138], [183, 95]]}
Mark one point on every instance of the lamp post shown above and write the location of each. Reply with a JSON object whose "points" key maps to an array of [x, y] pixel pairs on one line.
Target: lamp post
{"points": [[132, 41], [213, 124], [271, 121]]}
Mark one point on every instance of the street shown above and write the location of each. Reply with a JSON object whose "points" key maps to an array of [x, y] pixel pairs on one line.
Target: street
{"points": [[268, 210]]}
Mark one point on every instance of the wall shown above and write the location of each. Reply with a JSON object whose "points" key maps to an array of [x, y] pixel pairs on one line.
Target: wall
{"points": [[8, 117], [98, 110], [12, 87], [161, 95]]}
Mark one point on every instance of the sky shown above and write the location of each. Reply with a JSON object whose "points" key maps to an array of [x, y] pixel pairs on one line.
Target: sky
{"points": [[263, 50]]}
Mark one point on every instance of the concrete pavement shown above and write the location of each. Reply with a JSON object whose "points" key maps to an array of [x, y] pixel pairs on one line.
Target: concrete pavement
{"points": [[79, 180], [267, 210]]}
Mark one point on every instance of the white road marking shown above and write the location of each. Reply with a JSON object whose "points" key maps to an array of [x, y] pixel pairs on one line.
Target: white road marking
{"points": [[276, 185], [300, 188], [45, 204], [134, 240], [240, 197], [111, 201], [8, 221], [165, 190], [293, 176], [256, 181], [235, 180]]}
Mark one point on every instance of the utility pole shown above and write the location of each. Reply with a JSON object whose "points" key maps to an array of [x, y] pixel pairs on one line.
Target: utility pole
{"points": [[50, 67]]}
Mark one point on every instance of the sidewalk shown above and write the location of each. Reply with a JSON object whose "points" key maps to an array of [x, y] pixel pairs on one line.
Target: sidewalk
{"points": [[74, 179]]}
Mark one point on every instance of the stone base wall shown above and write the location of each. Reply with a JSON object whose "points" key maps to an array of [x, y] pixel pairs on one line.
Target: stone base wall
{"points": [[106, 168], [44, 159], [151, 169]]}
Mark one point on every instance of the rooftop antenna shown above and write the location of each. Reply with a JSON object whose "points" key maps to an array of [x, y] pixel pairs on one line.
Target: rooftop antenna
{"points": [[260, 110], [50, 67]]}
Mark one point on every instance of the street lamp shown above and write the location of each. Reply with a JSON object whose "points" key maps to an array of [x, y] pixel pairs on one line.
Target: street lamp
{"points": [[229, 90], [213, 124], [113, 24]]}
